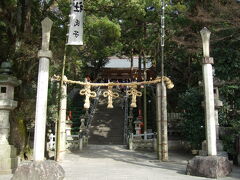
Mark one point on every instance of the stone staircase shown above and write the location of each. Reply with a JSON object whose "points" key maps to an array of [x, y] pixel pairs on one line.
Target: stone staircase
{"points": [[107, 124]]}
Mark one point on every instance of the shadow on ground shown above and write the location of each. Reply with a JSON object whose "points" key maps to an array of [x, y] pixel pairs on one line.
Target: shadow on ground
{"points": [[177, 160]]}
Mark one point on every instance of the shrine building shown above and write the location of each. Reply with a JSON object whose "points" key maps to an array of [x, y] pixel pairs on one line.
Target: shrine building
{"points": [[119, 69]]}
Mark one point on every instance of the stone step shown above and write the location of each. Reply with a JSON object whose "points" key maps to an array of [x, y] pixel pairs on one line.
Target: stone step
{"points": [[110, 127], [105, 137], [106, 116], [107, 124], [105, 143], [106, 140], [108, 121], [104, 134]]}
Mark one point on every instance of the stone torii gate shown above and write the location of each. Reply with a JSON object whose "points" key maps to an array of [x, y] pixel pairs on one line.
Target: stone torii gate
{"points": [[162, 144]]}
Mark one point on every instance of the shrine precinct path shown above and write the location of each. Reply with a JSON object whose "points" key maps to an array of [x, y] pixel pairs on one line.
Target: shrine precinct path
{"points": [[115, 162], [112, 162]]}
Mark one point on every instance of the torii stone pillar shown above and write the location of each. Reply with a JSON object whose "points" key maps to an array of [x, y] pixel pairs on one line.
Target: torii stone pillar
{"points": [[164, 124], [8, 157], [62, 117], [42, 91], [158, 120], [161, 117]]}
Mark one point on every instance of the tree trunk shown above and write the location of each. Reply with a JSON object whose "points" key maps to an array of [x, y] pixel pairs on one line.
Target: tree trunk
{"points": [[26, 16]]}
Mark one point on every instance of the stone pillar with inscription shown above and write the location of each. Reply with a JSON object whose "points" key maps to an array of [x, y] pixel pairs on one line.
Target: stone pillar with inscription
{"points": [[41, 168], [211, 166], [209, 95], [8, 157], [42, 91]]}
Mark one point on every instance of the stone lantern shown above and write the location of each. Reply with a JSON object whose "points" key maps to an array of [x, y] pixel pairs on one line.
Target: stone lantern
{"points": [[8, 157], [218, 104], [68, 129], [137, 126], [130, 119]]}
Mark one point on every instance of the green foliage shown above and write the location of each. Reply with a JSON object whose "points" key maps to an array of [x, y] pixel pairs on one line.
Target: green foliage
{"points": [[229, 143], [101, 41], [52, 110], [228, 64], [19, 135], [75, 105], [101, 36], [229, 116], [192, 127]]}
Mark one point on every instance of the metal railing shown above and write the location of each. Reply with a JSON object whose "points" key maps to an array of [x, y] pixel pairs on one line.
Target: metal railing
{"points": [[142, 135], [52, 140]]}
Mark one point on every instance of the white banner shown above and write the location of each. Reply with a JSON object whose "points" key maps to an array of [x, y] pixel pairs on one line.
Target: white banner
{"points": [[75, 33]]}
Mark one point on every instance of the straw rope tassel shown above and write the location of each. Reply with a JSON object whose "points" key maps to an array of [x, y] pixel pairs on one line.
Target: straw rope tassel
{"points": [[88, 93], [110, 94], [134, 93], [168, 82]]}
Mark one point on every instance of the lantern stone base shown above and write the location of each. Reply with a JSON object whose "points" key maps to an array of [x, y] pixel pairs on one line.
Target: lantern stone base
{"points": [[209, 166], [137, 143], [39, 170], [8, 159], [220, 151]]}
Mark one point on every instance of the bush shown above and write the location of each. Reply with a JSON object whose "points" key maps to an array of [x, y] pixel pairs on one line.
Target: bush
{"points": [[192, 125], [229, 117]]}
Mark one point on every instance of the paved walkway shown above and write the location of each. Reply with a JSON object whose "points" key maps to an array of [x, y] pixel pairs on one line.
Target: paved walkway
{"points": [[117, 163], [112, 162]]}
